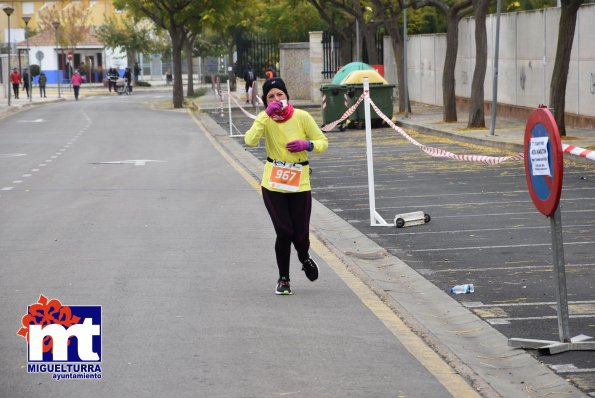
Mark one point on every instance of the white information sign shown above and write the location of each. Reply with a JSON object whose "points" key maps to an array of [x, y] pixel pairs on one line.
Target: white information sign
{"points": [[540, 164]]}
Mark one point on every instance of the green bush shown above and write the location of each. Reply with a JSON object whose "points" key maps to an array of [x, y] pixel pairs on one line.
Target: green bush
{"points": [[35, 70], [142, 83]]}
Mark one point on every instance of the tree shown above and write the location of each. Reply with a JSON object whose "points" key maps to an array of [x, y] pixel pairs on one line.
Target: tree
{"points": [[391, 12], [74, 25], [476, 102], [232, 18], [339, 22], [134, 37], [366, 18], [564, 48], [172, 16], [454, 13]]}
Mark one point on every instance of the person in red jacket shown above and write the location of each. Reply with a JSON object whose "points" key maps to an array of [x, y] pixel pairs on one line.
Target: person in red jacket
{"points": [[15, 79], [76, 81]]}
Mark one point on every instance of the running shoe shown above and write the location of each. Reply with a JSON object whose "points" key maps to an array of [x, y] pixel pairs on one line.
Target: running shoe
{"points": [[283, 287], [311, 269]]}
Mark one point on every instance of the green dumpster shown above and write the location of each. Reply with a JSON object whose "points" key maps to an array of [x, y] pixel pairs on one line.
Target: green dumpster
{"points": [[334, 98], [381, 93]]}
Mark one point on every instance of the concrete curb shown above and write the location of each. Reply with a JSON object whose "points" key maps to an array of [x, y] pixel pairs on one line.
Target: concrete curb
{"points": [[470, 345]]}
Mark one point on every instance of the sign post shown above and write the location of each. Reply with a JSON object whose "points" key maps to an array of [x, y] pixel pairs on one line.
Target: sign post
{"points": [[544, 169]]}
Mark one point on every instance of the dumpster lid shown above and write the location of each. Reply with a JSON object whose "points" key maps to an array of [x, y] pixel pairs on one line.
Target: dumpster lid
{"points": [[330, 86], [350, 67], [357, 77]]}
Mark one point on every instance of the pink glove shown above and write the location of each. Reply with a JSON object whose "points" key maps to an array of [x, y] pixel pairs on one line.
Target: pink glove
{"points": [[299, 146], [273, 107]]}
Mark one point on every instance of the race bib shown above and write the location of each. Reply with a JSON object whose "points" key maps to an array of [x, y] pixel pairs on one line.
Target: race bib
{"points": [[285, 176]]}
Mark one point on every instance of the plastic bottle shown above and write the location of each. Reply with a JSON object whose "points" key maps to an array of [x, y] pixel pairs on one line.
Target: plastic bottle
{"points": [[460, 289]]}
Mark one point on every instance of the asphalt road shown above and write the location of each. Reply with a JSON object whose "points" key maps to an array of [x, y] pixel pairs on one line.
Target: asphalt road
{"points": [[115, 202], [484, 230]]}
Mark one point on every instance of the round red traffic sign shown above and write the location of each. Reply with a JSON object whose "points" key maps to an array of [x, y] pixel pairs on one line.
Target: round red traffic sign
{"points": [[69, 56], [544, 162]]}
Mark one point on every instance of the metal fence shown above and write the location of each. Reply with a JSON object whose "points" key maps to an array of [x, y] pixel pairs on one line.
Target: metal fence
{"points": [[332, 48], [331, 54], [260, 52]]}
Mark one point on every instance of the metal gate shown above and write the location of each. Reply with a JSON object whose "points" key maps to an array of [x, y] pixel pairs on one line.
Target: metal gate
{"points": [[260, 52]]}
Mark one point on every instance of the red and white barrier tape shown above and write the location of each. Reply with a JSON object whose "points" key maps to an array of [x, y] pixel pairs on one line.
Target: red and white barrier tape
{"points": [[577, 151], [347, 113], [245, 112], [441, 153]]}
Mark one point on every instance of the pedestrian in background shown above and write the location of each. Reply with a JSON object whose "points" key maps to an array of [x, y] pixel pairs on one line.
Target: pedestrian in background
{"points": [[42, 81], [76, 81], [26, 82], [136, 71], [128, 77], [249, 78], [15, 79], [289, 134], [270, 72], [112, 78]]}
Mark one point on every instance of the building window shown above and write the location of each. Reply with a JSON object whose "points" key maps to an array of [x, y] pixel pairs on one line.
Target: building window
{"points": [[28, 8]]}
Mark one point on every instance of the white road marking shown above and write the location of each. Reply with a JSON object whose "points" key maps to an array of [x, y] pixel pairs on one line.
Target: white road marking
{"points": [[570, 368], [17, 181], [426, 271], [11, 155], [34, 170], [7, 188], [522, 227], [494, 247], [137, 162], [31, 121], [506, 321], [26, 175], [479, 304]]}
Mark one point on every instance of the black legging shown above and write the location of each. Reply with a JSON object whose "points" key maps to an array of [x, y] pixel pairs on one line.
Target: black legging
{"points": [[290, 214]]}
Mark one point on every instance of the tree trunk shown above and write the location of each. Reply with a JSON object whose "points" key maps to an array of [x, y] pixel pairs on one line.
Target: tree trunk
{"points": [[231, 76], [177, 40], [450, 61], [476, 102], [560, 74], [189, 64], [399, 51]]}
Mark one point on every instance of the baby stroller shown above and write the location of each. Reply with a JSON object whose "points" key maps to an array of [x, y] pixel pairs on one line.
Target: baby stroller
{"points": [[121, 86]]}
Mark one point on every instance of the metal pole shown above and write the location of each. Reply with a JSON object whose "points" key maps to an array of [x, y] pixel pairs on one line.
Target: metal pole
{"points": [[56, 25], [357, 58], [369, 153], [30, 93], [229, 109], [560, 276], [405, 87], [495, 74], [8, 11]]}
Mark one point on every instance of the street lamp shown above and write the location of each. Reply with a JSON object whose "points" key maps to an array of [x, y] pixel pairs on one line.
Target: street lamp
{"points": [[8, 11], [56, 25], [26, 19]]}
